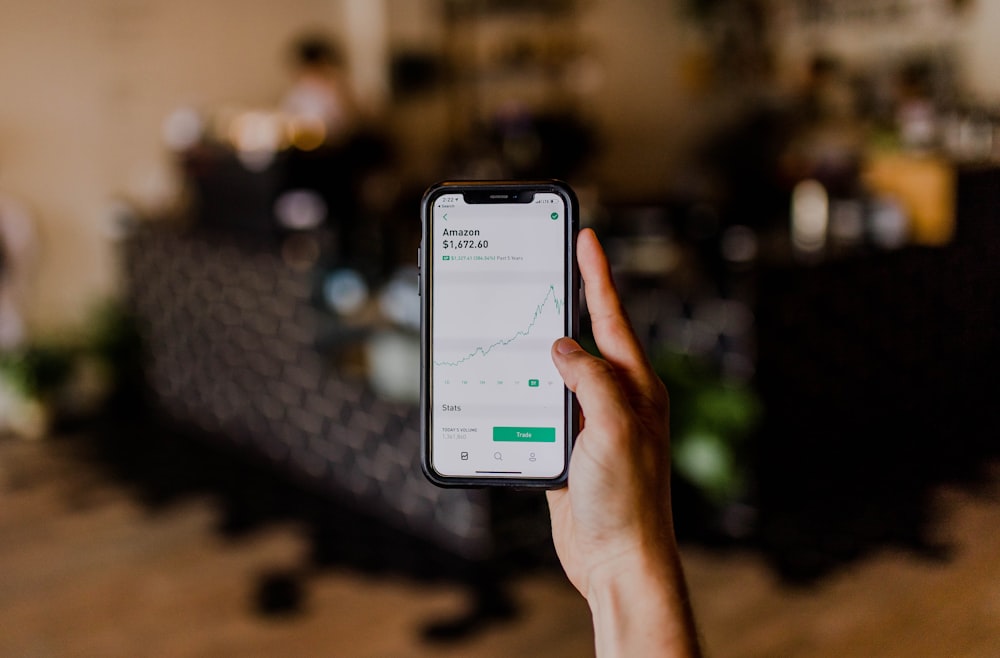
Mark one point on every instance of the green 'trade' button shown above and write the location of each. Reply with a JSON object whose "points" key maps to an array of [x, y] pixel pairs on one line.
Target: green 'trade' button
{"points": [[525, 434]]}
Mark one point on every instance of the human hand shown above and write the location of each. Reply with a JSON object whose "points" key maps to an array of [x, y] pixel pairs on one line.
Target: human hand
{"points": [[612, 525]]}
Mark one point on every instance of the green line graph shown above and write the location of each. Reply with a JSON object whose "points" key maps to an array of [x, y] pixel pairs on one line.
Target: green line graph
{"points": [[550, 294]]}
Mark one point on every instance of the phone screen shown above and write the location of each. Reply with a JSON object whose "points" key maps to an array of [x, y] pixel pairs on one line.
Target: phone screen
{"points": [[500, 275]]}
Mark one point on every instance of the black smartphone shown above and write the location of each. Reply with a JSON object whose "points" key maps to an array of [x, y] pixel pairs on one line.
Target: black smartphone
{"points": [[499, 284]]}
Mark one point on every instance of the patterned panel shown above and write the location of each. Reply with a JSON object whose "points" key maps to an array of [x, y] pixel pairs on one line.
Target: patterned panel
{"points": [[230, 339]]}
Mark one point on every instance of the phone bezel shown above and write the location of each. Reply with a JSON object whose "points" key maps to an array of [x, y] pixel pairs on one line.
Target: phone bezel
{"points": [[484, 189]]}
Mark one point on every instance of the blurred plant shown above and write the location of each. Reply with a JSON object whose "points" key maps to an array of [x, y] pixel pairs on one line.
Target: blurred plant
{"points": [[710, 419], [48, 380], [37, 369]]}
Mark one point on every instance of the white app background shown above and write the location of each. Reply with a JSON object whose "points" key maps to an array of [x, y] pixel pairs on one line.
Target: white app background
{"points": [[498, 305]]}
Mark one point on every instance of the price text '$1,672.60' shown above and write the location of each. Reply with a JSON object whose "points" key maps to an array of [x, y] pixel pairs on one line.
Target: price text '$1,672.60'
{"points": [[465, 244]]}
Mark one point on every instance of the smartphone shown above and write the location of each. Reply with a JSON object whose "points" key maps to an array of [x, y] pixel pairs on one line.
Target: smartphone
{"points": [[498, 284]]}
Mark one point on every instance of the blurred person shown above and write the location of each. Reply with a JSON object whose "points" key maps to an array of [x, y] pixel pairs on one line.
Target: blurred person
{"points": [[828, 132], [916, 114], [21, 412], [826, 94], [612, 525], [334, 149], [320, 96], [17, 257]]}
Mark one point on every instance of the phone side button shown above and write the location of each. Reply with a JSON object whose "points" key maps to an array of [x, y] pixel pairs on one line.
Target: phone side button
{"points": [[418, 283]]}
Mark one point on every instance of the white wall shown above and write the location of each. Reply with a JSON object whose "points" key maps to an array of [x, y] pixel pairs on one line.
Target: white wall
{"points": [[980, 49], [84, 88]]}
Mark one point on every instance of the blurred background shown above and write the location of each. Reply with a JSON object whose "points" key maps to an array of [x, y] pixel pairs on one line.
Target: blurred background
{"points": [[209, 324]]}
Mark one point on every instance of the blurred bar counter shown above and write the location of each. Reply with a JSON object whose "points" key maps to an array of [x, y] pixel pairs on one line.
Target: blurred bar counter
{"points": [[230, 338], [878, 374]]}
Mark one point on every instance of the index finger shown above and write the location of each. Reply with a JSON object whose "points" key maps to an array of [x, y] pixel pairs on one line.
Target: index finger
{"points": [[612, 329]]}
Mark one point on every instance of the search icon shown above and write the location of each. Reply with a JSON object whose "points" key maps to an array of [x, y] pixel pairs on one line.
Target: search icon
{"points": [[497, 456]]}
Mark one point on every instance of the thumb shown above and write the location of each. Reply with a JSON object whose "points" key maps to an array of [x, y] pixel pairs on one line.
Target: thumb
{"points": [[593, 380], [571, 360]]}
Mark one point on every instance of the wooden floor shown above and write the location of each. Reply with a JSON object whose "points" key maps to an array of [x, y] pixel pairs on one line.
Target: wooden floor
{"points": [[87, 570]]}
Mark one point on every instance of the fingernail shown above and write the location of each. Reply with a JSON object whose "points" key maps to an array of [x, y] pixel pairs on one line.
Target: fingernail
{"points": [[567, 345]]}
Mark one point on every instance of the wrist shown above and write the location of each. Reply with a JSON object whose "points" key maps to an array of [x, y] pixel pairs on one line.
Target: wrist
{"points": [[639, 604]]}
